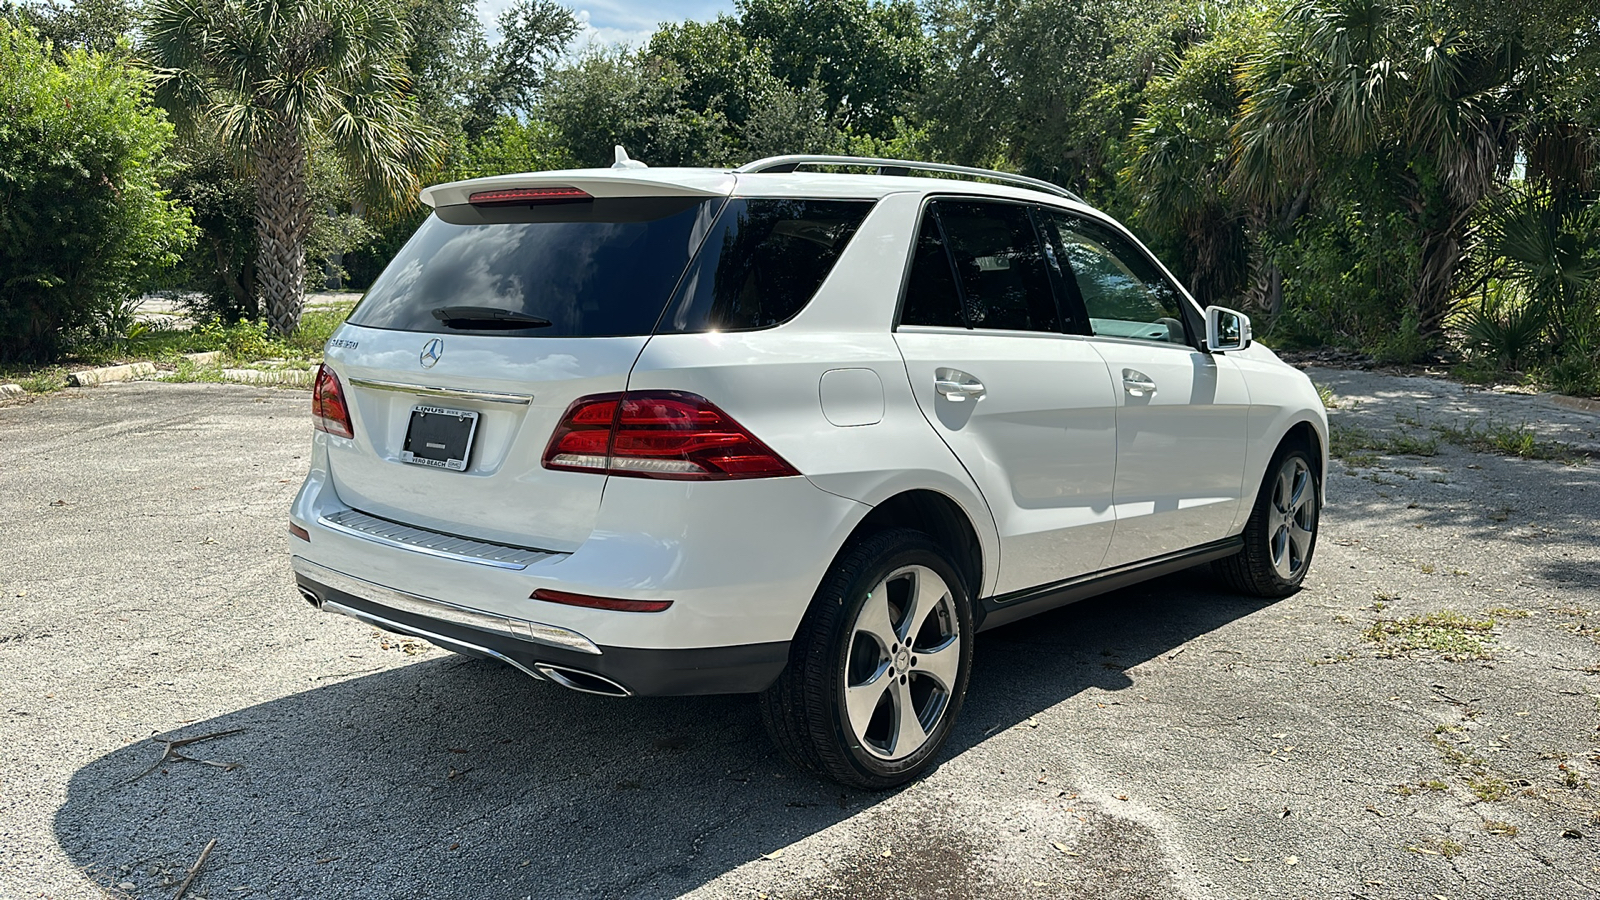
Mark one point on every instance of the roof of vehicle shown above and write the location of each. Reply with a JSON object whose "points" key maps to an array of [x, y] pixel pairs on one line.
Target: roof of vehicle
{"points": [[634, 182]]}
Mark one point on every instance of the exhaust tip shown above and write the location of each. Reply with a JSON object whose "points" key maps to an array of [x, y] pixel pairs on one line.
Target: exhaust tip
{"points": [[311, 598], [583, 682]]}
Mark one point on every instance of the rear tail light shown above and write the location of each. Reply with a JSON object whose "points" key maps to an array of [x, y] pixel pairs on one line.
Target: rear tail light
{"points": [[659, 434], [329, 412], [525, 196]]}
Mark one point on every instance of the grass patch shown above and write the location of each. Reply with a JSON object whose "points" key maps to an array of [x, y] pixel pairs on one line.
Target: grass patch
{"points": [[1489, 789], [1504, 829], [1518, 441], [1506, 612], [1357, 445], [1449, 634], [241, 343]]}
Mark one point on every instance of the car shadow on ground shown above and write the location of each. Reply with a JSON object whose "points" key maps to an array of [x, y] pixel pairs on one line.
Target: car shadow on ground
{"points": [[455, 777]]}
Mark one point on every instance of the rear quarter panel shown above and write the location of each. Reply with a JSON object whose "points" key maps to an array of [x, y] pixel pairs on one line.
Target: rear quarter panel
{"points": [[771, 382]]}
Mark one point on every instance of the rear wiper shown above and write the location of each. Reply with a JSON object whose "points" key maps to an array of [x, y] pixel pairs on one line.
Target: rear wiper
{"points": [[488, 318]]}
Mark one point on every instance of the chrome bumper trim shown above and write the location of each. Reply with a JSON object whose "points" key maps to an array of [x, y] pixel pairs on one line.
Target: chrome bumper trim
{"points": [[420, 540], [403, 601], [427, 390], [447, 643]]}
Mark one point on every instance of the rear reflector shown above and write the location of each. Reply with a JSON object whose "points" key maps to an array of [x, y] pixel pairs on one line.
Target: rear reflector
{"points": [[523, 196], [601, 602], [659, 434], [329, 412], [299, 532]]}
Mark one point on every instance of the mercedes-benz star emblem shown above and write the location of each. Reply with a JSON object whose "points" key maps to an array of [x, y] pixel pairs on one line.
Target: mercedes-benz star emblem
{"points": [[431, 353]]}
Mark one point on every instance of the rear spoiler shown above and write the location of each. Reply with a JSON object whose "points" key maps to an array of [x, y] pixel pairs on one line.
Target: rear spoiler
{"points": [[595, 182]]}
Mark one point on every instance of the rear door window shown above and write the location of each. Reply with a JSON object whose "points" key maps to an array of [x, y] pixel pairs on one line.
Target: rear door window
{"points": [[931, 295], [1000, 265], [599, 268], [762, 262]]}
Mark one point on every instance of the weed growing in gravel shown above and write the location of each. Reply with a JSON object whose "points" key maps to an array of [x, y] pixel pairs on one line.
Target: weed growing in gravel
{"points": [[1444, 847], [1446, 633], [1506, 612], [1519, 441], [44, 381], [1348, 442], [1504, 829], [1489, 789]]}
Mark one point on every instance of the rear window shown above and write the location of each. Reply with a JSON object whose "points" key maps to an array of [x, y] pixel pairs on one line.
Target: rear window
{"points": [[601, 268], [762, 263]]}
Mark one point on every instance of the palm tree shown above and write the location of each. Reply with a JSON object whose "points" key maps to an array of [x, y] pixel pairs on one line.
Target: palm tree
{"points": [[1341, 81], [272, 79]]}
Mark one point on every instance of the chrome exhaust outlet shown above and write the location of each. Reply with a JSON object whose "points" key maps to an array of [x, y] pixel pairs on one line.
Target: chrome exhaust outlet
{"points": [[310, 597], [584, 682]]}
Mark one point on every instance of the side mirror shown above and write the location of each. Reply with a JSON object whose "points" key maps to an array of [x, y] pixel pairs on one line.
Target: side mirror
{"points": [[1226, 329]]}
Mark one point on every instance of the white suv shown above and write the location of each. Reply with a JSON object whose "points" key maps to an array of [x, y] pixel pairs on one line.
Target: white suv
{"points": [[683, 431]]}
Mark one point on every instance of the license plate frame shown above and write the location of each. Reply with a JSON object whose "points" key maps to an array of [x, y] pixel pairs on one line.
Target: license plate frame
{"points": [[444, 440]]}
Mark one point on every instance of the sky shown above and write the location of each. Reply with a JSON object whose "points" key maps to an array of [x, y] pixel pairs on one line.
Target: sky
{"points": [[628, 22]]}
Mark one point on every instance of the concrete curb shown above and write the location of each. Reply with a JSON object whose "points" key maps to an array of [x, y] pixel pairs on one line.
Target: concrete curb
{"points": [[205, 360], [8, 391], [109, 374], [1577, 404]]}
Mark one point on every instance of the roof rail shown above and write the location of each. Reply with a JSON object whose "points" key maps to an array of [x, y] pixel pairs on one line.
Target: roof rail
{"points": [[899, 167]]}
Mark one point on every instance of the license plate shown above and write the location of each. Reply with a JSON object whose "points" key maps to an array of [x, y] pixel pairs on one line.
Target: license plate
{"points": [[440, 437]]}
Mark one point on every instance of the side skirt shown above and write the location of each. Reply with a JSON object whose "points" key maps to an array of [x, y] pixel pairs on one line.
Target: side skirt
{"points": [[1003, 609]]}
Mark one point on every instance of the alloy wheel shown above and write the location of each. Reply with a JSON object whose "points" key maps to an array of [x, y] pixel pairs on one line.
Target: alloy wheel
{"points": [[1292, 518], [904, 657]]}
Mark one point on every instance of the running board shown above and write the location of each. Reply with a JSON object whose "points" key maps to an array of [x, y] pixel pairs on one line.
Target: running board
{"points": [[1004, 609]]}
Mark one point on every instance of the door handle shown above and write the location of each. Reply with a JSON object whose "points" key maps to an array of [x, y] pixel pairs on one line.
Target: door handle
{"points": [[1137, 384], [957, 385]]}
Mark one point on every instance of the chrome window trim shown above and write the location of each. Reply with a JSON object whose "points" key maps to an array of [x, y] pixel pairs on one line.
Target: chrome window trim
{"points": [[416, 604], [434, 391]]}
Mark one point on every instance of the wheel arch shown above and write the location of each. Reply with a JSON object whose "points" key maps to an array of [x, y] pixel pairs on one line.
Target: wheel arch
{"points": [[941, 518], [1305, 435]]}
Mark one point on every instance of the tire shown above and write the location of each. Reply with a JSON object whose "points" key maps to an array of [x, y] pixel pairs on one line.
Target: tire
{"points": [[1281, 535], [837, 709]]}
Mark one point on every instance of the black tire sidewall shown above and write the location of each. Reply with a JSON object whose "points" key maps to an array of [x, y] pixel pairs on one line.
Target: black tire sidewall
{"points": [[915, 550]]}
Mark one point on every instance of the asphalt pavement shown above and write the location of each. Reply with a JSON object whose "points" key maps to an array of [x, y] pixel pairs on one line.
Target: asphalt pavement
{"points": [[1168, 741]]}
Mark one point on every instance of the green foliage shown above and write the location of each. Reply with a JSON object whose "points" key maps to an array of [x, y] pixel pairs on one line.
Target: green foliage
{"points": [[865, 58], [1048, 88], [83, 219], [1180, 157], [610, 97]]}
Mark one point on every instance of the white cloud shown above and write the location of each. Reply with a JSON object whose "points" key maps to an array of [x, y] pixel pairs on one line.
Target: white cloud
{"points": [[629, 22]]}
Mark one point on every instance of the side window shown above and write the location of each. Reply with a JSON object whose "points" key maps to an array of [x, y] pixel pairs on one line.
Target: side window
{"points": [[1000, 265], [761, 263], [931, 296], [1125, 295]]}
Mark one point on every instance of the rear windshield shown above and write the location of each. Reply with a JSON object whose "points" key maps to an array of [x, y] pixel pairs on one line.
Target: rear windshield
{"points": [[608, 267], [596, 269]]}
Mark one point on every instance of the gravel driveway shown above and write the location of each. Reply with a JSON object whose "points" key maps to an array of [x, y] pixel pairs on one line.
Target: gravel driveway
{"points": [[1169, 741]]}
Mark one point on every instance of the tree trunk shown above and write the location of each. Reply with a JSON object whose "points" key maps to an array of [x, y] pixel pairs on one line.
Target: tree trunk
{"points": [[283, 215]]}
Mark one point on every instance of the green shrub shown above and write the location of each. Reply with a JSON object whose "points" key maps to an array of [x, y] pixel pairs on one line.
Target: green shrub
{"points": [[83, 223]]}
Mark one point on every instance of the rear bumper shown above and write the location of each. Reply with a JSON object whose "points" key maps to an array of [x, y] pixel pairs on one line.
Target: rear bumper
{"points": [[545, 651]]}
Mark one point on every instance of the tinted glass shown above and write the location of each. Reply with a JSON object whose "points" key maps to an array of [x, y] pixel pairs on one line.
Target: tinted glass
{"points": [[1123, 291], [762, 262], [1000, 265], [931, 297], [600, 268]]}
